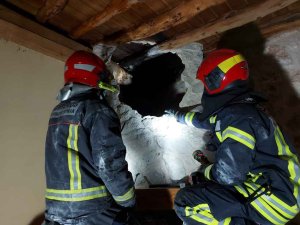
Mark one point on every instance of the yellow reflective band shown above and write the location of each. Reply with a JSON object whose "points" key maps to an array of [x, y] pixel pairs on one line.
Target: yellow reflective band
{"points": [[268, 216], [189, 118], [73, 158], [239, 135], [241, 190], [207, 171], [76, 195], [231, 62], [293, 162], [77, 158], [70, 158], [265, 209], [277, 204], [219, 136], [127, 196], [213, 119], [201, 213]]}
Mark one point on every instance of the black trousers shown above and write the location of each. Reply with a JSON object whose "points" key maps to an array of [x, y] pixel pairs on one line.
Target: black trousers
{"points": [[106, 217], [211, 203]]}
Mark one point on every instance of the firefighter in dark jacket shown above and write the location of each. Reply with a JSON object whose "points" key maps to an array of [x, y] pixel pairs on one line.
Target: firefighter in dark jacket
{"points": [[88, 182], [255, 176]]}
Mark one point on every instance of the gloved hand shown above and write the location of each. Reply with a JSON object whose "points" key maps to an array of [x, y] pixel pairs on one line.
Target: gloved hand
{"points": [[196, 178], [171, 112], [200, 157]]}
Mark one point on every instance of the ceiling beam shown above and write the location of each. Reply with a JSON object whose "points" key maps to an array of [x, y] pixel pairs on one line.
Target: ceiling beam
{"points": [[34, 27], [178, 15], [16, 34], [113, 8], [240, 18], [50, 9], [282, 27]]}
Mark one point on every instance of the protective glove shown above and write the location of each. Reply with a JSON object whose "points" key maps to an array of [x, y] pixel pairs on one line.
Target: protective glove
{"points": [[200, 157], [171, 112]]}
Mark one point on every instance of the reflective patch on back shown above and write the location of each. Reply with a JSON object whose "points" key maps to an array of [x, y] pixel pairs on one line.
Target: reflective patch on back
{"points": [[65, 109]]}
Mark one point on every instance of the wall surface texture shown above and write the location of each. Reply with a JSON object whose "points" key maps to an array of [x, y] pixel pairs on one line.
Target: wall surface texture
{"points": [[29, 84]]}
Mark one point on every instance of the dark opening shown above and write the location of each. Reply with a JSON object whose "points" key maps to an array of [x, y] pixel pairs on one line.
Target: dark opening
{"points": [[152, 90]]}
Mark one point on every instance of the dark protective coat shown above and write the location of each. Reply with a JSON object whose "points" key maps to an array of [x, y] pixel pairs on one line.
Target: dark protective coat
{"points": [[254, 160], [86, 170]]}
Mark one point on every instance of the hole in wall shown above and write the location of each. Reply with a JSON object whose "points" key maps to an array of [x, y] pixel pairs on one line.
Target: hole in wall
{"points": [[153, 88]]}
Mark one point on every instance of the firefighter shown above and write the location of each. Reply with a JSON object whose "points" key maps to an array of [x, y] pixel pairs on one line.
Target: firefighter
{"points": [[255, 176], [88, 182]]}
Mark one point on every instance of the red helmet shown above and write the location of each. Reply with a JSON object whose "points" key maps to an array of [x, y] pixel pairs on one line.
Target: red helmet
{"points": [[84, 68], [221, 68]]}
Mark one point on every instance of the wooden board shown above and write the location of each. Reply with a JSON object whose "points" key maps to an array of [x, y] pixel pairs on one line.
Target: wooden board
{"points": [[156, 199]]}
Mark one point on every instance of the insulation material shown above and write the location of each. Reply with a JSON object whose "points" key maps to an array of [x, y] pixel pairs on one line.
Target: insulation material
{"points": [[105, 52], [159, 149]]}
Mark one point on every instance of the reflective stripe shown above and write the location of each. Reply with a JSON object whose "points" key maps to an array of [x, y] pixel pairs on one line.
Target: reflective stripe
{"points": [[277, 204], [231, 62], [240, 136], [189, 118], [127, 196], [293, 162], [218, 130], [201, 213], [212, 119], [219, 136], [241, 190], [269, 215], [266, 210], [76, 195], [73, 158], [86, 67], [207, 171]]}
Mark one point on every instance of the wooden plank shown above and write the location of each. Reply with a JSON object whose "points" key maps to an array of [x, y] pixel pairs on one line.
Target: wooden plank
{"points": [[267, 30], [278, 28], [13, 33], [155, 199], [21, 21], [113, 8], [241, 17], [178, 15], [50, 9]]}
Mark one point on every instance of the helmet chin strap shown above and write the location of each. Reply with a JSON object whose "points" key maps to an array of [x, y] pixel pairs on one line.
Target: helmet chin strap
{"points": [[107, 87]]}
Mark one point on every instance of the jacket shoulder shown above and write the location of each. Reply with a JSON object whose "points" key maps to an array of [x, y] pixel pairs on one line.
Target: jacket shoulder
{"points": [[239, 112]]}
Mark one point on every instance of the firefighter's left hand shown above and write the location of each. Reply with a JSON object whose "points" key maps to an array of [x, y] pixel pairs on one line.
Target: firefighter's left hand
{"points": [[170, 112], [196, 178]]}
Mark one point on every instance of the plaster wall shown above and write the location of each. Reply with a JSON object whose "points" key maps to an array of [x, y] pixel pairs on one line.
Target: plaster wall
{"points": [[29, 83], [160, 150]]}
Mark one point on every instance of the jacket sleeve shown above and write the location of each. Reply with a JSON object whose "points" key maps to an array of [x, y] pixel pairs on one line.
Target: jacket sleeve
{"points": [[192, 119], [234, 156], [109, 157]]}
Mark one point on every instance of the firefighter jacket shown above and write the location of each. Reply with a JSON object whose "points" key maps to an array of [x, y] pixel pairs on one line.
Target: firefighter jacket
{"points": [[254, 157], [86, 170]]}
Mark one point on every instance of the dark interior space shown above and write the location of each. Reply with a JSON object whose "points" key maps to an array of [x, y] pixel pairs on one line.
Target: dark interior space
{"points": [[267, 77], [152, 90]]}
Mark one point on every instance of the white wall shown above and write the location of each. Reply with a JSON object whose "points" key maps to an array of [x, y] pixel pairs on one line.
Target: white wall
{"points": [[29, 82]]}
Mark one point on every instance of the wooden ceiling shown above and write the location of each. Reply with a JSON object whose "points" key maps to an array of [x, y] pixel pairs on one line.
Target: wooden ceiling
{"points": [[168, 23]]}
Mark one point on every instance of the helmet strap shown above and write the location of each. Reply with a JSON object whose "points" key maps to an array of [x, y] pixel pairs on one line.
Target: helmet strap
{"points": [[107, 87]]}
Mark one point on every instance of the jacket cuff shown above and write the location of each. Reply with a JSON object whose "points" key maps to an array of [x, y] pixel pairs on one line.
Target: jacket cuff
{"points": [[126, 200]]}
